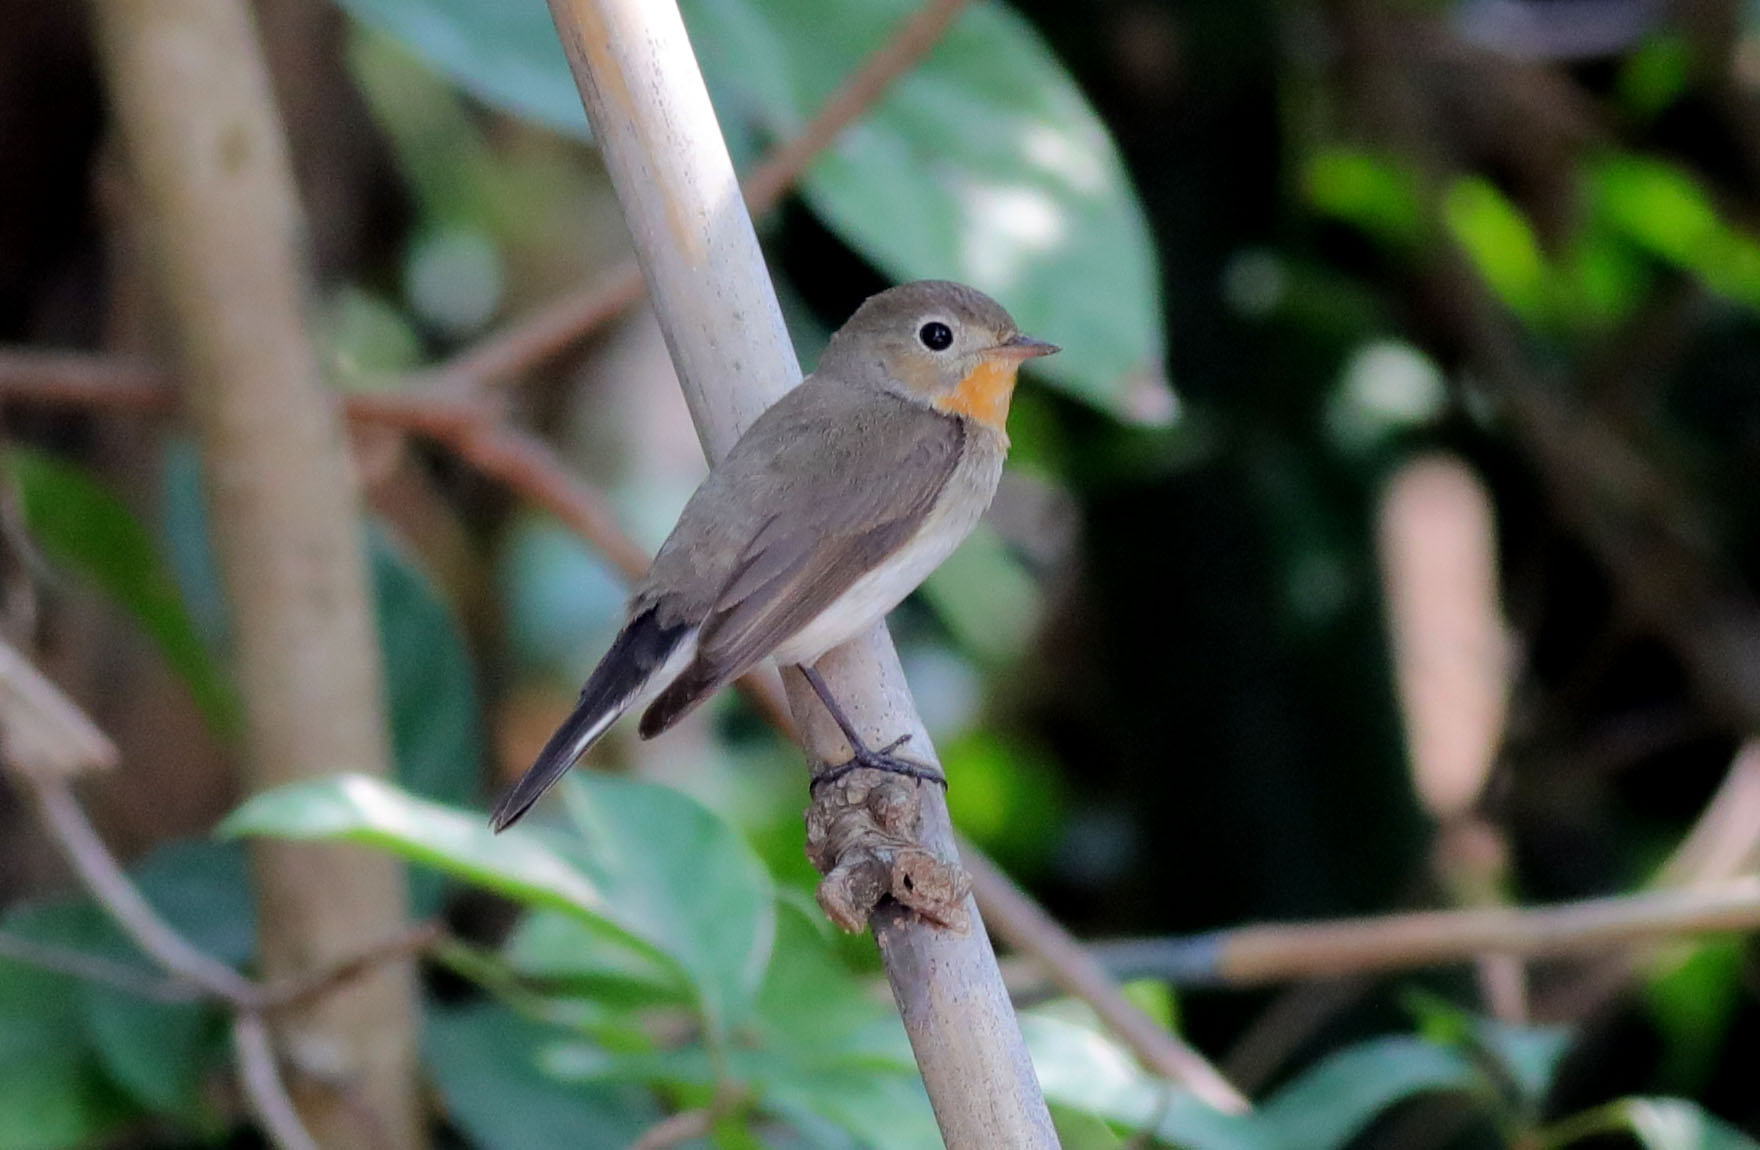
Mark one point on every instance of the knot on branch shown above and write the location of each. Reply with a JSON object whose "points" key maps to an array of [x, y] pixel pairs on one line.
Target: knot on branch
{"points": [[862, 835]]}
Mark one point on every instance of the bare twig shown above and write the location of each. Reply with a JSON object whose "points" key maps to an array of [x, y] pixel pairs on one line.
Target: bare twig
{"points": [[418, 939], [104, 878], [85, 380], [534, 340], [551, 330], [676, 1128], [1261, 954], [770, 180], [93, 968], [1025, 926], [261, 1076], [42, 734]]}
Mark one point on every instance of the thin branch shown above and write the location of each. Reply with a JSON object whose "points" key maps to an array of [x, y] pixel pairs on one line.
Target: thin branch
{"points": [[767, 183], [534, 340], [419, 939], [676, 1128], [98, 869], [261, 1075], [1024, 925], [557, 326], [94, 968], [85, 380], [1260, 954]]}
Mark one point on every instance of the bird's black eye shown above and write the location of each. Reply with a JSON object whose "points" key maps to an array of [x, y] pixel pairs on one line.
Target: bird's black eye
{"points": [[936, 336]]}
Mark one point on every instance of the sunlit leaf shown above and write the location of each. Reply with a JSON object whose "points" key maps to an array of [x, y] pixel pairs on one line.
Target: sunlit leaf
{"points": [[1676, 1124], [82, 526], [1500, 242], [653, 867], [1370, 192], [682, 878], [985, 164]]}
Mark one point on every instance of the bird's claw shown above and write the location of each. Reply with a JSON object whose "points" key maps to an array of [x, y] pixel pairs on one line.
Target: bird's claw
{"points": [[867, 758]]}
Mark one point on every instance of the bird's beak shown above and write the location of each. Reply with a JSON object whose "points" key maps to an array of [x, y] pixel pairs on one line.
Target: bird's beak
{"points": [[1022, 347]]}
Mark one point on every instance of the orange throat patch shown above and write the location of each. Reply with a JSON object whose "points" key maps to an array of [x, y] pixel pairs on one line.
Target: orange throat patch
{"points": [[984, 394]]}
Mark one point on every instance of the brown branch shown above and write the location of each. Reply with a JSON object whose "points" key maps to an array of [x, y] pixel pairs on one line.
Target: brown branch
{"points": [[93, 968], [418, 939], [767, 183], [1024, 925], [533, 340], [260, 1073], [104, 878], [1260, 954], [676, 1128], [189, 88], [557, 326], [85, 380]]}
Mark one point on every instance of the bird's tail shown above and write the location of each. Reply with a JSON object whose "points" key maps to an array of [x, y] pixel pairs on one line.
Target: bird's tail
{"points": [[636, 667]]}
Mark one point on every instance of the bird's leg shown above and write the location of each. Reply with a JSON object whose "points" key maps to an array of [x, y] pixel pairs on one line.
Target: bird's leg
{"points": [[863, 755]]}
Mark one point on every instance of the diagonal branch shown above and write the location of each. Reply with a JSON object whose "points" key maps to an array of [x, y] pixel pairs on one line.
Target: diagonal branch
{"points": [[559, 325]]}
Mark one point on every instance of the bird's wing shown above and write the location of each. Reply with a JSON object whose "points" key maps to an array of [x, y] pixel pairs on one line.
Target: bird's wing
{"points": [[868, 496]]}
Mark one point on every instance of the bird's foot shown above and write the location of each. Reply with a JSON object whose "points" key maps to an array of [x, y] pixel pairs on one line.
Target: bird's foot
{"points": [[883, 759]]}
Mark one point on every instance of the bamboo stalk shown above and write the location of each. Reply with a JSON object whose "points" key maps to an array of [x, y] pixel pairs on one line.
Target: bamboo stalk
{"points": [[650, 111], [191, 94]]}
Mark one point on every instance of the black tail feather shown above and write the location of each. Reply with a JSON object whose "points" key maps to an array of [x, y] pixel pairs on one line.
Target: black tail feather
{"points": [[640, 649], [679, 699]]}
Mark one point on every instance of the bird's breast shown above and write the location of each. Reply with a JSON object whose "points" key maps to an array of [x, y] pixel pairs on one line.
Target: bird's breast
{"points": [[962, 503]]}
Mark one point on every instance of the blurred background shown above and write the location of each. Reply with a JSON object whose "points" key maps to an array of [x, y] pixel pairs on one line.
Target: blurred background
{"points": [[1387, 538]]}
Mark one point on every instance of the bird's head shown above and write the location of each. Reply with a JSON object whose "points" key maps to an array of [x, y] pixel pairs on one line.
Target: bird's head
{"points": [[937, 343]]}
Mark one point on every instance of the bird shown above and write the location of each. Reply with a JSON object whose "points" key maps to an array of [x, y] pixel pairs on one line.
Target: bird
{"points": [[832, 507]]}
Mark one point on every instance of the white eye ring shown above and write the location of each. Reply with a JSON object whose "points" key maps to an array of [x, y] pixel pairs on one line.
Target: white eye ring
{"points": [[935, 335]]}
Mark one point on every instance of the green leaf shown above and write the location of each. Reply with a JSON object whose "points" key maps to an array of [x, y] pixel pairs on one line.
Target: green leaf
{"points": [[1083, 1070], [1371, 192], [1323, 1109], [160, 1052], [654, 868], [53, 1091], [984, 164], [555, 947], [1501, 244], [1693, 1001], [986, 598], [82, 526], [682, 878], [483, 1060], [1676, 1124], [821, 1053], [1332, 1102], [431, 694]]}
